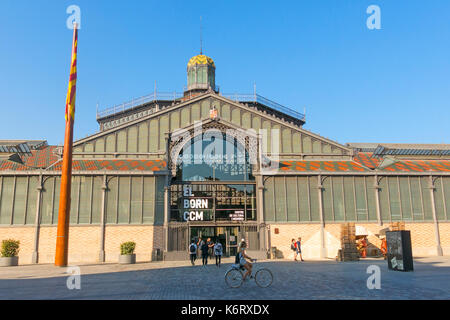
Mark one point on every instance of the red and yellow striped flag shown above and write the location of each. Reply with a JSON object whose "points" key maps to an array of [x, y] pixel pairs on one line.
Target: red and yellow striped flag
{"points": [[70, 100]]}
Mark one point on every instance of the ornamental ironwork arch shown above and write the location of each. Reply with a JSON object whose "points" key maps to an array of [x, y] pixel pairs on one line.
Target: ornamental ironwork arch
{"points": [[247, 139]]}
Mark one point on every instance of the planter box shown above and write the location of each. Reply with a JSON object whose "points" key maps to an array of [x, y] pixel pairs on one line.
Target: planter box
{"points": [[9, 261], [127, 259]]}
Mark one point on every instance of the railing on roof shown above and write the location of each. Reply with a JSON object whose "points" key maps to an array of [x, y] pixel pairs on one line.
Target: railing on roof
{"points": [[172, 96], [256, 98], [138, 102]]}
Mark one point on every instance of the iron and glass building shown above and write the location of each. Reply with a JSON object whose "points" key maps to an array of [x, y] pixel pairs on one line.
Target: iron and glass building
{"points": [[170, 167]]}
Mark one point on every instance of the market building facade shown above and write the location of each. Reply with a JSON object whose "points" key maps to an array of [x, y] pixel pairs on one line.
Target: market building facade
{"points": [[167, 168]]}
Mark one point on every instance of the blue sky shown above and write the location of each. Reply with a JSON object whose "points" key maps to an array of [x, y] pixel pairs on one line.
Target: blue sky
{"points": [[357, 85]]}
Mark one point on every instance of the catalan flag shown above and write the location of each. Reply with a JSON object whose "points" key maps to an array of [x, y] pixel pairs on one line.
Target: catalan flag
{"points": [[70, 100]]}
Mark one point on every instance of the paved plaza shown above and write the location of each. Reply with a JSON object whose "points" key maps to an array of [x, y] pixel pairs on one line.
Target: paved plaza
{"points": [[325, 279]]}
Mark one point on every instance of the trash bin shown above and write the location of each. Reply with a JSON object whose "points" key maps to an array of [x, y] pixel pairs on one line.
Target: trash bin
{"points": [[399, 252]]}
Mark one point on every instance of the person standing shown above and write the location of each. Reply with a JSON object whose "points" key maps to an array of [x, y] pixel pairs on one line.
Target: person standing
{"points": [[218, 249], [193, 252], [204, 249], [293, 248], [298, 249]]}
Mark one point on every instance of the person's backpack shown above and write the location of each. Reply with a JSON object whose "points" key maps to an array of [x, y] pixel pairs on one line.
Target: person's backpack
{"points": [[192, 248], [293, 247]]}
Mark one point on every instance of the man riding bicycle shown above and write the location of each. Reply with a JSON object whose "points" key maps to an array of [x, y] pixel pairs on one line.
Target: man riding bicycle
{"points": [[244, 263]]}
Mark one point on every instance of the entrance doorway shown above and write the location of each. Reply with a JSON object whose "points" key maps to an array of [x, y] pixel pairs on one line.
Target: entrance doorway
{"points": [[229, 236]]}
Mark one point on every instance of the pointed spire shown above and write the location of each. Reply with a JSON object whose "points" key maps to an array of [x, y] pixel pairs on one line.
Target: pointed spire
{"points": [[201, 40]]}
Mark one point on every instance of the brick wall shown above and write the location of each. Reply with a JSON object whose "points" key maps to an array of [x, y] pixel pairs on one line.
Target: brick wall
{"points": [[146, 237]]}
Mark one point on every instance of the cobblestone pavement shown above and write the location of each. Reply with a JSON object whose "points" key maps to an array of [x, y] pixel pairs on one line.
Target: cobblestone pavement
{"points": [[178, 280]]}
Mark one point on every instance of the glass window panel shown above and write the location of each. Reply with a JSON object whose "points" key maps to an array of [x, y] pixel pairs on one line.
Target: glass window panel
{"points": [[154, 137], [266, 126], [132, 139], [384, 200], [314, 198], [439, 199], [205, 109], [19, 200], [136, 199], [296, 146], [416, 198], [307, 146], [149, 199], [317, 146], [124, 199], [286, 140], [163, 129], [74, 203], [428, 214], [338, 199], [394, 199], [99, 147], [56, 201], [174, 120], [47, 205], [236, 116], [269, 200], [111, 204], [110, 143], [446, 185], [405, 198], [327, 200], [371, 200], [256, 123], [122, 141], [303, 198], [32, 197], [97, 200], [350, 210], [6, 200], [143, 137], [185, 116], [246, 120], [159, 214], [280, 199], [196, 112], [361, 208], [292, 199], [85, 200]]}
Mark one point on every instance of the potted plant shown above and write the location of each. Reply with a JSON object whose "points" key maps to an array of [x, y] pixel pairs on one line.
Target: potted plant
{"points": [[10, 249], [127, 255]]}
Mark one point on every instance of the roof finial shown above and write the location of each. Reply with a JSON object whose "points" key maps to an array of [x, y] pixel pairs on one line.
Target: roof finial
{"points": [[201, 49]]}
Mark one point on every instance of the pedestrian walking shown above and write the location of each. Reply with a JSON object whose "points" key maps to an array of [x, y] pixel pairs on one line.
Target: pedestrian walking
{"points": [[218, 250], [293, 248], [193, 252], [204, 249], [298, 249], [210, 247]]}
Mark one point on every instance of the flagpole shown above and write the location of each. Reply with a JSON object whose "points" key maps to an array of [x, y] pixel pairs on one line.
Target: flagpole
{"points": [[62, 234]]}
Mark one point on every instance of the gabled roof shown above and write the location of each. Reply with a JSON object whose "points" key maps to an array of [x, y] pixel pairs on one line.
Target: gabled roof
{"points": [[114, 165]]}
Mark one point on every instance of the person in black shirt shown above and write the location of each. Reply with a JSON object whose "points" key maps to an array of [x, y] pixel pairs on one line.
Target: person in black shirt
{"points": [[204, 248]]}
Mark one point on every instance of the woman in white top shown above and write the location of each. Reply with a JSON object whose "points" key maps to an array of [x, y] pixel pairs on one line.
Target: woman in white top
{"points": [[242, 256]]}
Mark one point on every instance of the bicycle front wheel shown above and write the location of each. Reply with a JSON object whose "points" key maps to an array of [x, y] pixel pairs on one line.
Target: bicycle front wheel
{"points": [[263, 278], [233, 278]]}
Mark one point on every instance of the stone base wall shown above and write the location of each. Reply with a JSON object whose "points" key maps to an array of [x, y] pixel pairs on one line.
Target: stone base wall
{"points": [[422, 237], [84, 242]]}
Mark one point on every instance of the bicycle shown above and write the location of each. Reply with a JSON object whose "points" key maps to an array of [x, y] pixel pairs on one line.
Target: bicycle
{"points": [[234, 277]]}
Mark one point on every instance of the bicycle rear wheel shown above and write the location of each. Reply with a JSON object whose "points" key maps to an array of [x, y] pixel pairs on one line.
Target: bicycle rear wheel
{"points": [[263, 278], [233, 278]]}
